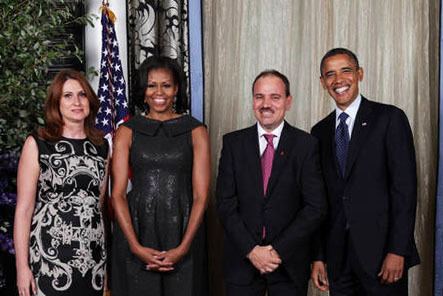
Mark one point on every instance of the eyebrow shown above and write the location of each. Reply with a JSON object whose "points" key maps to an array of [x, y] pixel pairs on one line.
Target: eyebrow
{"points": [[271, 94]]}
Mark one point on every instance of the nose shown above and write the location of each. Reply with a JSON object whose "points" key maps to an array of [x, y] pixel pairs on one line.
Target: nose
{"points": [[159, 89], [77, 100], [266, 101], [339, 77]]}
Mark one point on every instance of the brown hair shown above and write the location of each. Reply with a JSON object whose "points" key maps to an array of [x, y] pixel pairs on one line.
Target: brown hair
{"points": [[272, 72], [53, 129]]}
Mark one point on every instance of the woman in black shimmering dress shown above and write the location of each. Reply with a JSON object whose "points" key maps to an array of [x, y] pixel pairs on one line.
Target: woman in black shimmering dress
{"points": [[58, 229], [158, 244]]}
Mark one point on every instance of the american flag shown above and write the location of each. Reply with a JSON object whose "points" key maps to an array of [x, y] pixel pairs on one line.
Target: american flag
{"points": [[112, 87]]}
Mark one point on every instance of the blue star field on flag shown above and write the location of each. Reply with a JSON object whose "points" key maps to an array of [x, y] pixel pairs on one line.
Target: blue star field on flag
{"points": [[112, 87]]}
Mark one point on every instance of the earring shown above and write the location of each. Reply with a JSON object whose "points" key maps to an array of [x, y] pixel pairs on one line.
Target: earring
{"points": [[146, 105], [174, 105]]}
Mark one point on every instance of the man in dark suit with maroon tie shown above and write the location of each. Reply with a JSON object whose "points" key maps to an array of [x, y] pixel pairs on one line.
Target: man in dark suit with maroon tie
{"points": [[270, 197], [368, 162]]}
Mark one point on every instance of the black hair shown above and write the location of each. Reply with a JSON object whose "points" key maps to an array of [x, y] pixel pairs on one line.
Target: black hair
{"points": [[337, 51], [277, 74], [171, 65]]}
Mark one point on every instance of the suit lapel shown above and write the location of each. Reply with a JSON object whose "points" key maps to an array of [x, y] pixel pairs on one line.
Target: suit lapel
{"points": [[361, 127], [252, 157], [330, 150], [280, 157]]}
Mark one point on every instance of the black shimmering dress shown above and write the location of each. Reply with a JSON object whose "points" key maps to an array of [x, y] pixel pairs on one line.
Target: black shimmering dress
{"points": [[160, 202], [67, 242]]}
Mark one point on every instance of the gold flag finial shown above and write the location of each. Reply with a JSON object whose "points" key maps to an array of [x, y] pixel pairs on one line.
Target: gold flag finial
{"points": [[105, 8]]}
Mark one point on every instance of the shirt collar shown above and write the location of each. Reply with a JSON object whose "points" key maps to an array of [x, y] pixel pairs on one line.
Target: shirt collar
{"points": [[351, 110], [276, 132]]}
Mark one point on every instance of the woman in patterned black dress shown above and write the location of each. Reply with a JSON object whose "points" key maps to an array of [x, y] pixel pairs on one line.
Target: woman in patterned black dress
{"points": [[58, 229], [158, 244]]}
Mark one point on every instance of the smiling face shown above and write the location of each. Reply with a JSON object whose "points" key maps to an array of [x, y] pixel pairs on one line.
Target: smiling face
{"points": [[74, 103], [160, 92], [340, 77], [270, 102]]}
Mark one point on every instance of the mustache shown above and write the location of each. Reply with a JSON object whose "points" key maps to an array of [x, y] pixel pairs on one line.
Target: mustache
{"points": [[265, 109]]}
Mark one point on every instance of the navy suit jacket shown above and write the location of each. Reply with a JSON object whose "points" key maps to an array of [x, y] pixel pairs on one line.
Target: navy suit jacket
{"points": [[378, 194], [292, 209]]}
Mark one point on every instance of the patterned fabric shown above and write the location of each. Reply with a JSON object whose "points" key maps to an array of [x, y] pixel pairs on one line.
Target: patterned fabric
{"points": [[266, 160], [67, 243], [342, 142], [157, 28]]}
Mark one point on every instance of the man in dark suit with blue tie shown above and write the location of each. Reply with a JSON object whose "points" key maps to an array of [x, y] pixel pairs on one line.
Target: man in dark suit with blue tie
{"points": [[270, 197], [368, 162]]}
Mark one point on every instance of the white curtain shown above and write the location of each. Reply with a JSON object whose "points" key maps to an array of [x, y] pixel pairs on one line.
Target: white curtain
{"points": [[397, 44]]}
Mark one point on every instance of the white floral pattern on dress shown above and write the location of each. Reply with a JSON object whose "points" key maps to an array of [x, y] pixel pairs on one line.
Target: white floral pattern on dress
{"points": [[67, 231]]}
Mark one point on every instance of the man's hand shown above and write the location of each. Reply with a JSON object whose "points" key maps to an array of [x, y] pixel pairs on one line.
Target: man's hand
{"points": [[392, 268], [264, 258], [319, 276]]}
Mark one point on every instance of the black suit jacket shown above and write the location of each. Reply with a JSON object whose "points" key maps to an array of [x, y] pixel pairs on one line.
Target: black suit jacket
{"points": [[377, 196], [291, 210]]}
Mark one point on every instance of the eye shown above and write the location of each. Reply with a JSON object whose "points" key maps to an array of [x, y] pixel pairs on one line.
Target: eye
{"points": [[151, 85], [67, 95], [275, 97], [167, 85], [258, 97], [82, 94]]}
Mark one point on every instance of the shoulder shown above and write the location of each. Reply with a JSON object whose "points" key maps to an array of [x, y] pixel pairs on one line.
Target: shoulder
{"points": [[31, 142], [30, 151], [238, 135], [324, 123], [390, 112], [123, 135], [133, 122], [299, 135], [200, 133], [193, 122], [103, 148]]}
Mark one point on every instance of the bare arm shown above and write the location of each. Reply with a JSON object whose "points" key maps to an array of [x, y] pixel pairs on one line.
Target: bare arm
{"points": [[120, 167], [201, 173], [27, 177]]}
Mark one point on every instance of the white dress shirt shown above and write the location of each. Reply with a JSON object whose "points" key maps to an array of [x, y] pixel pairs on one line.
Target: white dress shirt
{"points": [[351, 111], [261, 139]]}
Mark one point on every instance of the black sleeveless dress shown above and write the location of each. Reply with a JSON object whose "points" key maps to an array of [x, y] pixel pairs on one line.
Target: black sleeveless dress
{"points": [[67, 244], [160, 202]]}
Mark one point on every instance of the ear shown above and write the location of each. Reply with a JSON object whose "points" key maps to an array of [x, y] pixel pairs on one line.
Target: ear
{"points": [[288, 103], [322, 82], [360, 74], [176, 89]]}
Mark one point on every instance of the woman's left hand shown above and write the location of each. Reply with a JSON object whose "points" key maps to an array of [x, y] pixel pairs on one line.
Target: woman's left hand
{"points": [[169, 259], [173, 256]]}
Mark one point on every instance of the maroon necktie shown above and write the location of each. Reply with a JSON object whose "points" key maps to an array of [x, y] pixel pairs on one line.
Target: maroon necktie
{"points": [[266, 166], [266, 160]]}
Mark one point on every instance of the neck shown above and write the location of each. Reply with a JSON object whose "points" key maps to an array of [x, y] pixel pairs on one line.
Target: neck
{"points": [[162, 116], [74, 131]]}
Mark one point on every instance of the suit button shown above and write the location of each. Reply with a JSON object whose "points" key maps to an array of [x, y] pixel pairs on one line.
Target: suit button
{"points": [[344, 197]]}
